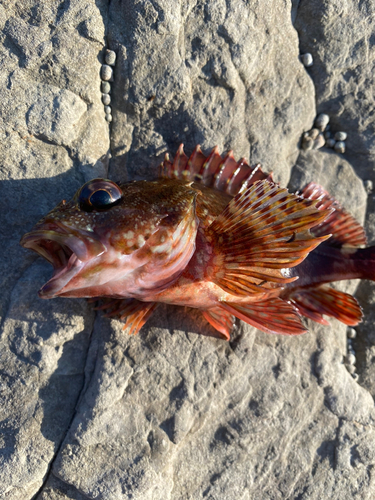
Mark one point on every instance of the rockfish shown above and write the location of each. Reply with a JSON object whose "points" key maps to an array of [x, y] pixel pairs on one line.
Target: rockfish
{"points": [[212, 234]]}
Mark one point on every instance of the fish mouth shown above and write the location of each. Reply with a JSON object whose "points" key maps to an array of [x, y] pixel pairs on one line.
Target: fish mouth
{"points": [[67, 250]]}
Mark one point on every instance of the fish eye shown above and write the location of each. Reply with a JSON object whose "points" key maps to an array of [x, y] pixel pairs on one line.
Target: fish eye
{"points": [[99, 194]]}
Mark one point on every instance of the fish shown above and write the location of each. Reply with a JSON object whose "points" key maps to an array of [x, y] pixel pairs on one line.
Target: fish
{"points": [[211, 233]]}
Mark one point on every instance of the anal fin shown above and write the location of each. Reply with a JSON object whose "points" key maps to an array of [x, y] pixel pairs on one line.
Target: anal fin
{"points": [[319, 300], [272, 315], [221, 320]]}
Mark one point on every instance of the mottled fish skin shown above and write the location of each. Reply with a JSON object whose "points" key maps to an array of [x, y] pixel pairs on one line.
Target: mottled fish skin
{"points": [[140, 245], [213, 234]]}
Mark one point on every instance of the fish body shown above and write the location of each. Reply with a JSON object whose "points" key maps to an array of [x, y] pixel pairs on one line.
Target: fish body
{"points": [[212, 234]]}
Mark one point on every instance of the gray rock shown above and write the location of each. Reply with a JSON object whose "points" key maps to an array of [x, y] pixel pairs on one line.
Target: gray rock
{"points": [[54, 115], [335, 174], [86, 410], [343, 73], [206, 87]]}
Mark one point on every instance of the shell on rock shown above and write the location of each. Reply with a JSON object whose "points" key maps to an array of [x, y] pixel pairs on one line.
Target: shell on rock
{"points": [[107, 73], [307, 59], [339, 147], [321, 121], [106, 99], [351, 369], [341, 136], [350, 358], [108, 117], [106, 87], [313, 133], [319, 142], [110, 57], [369, 186], [107, 110], [307, 143], [351, 333]]}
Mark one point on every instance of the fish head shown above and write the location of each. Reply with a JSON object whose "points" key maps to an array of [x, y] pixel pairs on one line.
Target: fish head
{"points": [[117, 240]]}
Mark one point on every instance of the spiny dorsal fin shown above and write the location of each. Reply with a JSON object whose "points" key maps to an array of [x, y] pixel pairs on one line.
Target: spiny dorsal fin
{"points": [[224, 174], [261, 232], [319, 300], [343, 227], [272, 315]]}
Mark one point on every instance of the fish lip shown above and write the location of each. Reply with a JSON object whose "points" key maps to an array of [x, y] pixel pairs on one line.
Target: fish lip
{"points": [[68, 253]]}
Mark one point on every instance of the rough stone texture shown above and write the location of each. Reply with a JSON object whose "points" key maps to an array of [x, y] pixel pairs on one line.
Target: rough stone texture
{"points": [[89, 412], [207, 73]]}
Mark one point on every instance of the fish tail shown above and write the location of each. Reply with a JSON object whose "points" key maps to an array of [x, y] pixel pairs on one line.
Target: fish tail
{"points": [[222, 173]]}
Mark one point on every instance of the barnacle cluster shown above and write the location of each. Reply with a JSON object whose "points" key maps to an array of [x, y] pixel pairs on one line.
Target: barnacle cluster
{"points": [[322, 135]]}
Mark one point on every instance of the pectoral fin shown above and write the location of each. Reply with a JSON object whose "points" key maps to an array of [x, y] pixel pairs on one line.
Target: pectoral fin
{"points": [[263, 231]]}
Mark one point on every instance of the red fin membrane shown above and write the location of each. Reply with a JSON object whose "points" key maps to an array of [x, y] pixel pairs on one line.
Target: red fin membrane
{"points": [[135, 312], [224, 174], [221, 320], [260, 233], [271, 316], [316, 301], [343, 227]]}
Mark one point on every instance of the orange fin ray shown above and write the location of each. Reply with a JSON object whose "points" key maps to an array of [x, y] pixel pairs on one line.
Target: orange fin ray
{"points": [[135, 312], [263, 231], [272, 315], [224, 174], [343, 227], [221, 320], [136, 320], [323, 299]]}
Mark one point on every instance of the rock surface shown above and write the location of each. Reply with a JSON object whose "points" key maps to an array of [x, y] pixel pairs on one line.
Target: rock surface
{"points": [[89, 412]]}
